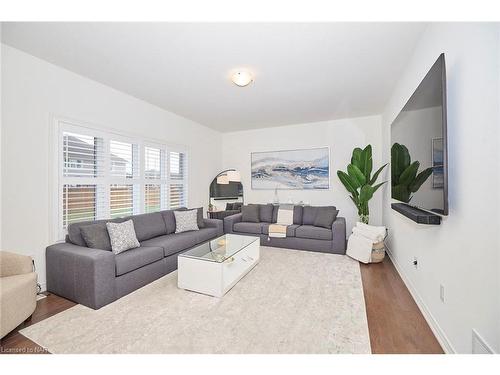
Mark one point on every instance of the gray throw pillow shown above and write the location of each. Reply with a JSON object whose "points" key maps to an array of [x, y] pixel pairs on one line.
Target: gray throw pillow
{"points": [[122, 236], [250, 213], [96, 236], [325, 217], [186, 220], [199, 218], [266, 213]]}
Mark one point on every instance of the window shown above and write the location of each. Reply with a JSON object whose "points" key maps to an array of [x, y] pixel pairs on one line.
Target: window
{"points": [[105, 175], [178, 179]]}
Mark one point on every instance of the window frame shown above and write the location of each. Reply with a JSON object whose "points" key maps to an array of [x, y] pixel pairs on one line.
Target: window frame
{"points": [[58, 180]]}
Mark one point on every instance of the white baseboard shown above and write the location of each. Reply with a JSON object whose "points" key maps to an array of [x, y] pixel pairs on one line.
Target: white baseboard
{"points": [[43, 287], [431, 321]]}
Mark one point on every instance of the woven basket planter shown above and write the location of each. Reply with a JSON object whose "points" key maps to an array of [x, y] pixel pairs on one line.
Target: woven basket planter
{"points": [[378, 252]]}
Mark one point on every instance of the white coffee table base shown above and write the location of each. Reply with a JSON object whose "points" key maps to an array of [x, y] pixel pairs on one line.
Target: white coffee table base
{"points": [[216, 279]]}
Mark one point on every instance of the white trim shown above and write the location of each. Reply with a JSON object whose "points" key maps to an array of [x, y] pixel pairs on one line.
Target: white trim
{"points": [[429, 318]]}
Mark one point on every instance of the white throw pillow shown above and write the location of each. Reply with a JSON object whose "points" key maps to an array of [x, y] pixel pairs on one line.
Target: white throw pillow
{"points": [[186, 220], [122, 236]]}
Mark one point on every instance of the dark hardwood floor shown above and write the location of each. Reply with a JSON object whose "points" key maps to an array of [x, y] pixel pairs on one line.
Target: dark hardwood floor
{"points": [[394, 320]]}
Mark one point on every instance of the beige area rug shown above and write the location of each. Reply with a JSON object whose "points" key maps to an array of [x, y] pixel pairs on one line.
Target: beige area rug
{"points": [[291, 302]]}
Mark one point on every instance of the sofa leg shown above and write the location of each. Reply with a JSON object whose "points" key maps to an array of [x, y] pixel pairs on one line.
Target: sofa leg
{"points": [[28, 319]]}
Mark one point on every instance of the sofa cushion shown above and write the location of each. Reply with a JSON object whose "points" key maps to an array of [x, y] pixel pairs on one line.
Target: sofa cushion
{"points": [[266, 213], [297, 215], [148, 225], [176, 242], [186, 221], [136, 258], [206, 234], [312, 232], [325, 217], [290, 229], [96, 236], [250, 213], [75, 235], [310, 212], [122, 236], [169, 219], [199, 218], [254, 228]]}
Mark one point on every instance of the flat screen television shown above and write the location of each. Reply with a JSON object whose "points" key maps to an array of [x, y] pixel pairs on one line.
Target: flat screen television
{"points": [[419, 157]]}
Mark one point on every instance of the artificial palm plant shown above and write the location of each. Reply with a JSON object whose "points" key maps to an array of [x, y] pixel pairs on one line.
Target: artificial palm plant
{"points": [[359, 180], [405, 179]]}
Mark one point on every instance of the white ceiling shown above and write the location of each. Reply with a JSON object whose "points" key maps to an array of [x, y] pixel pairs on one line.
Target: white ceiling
{"points": [[303, 72]]}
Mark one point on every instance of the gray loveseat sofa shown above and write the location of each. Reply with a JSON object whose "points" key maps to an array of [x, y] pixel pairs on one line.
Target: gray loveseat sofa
{"points": [[302, 235], [95, 277]]}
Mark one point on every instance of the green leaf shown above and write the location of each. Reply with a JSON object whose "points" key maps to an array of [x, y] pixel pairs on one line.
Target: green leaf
{"points": [[366, 162], [375, 176], [409, 174], [375, 188], [356, 157], [348, 182], [400, 160], [401, 193], [366, 194], [355, 173], [419, 180]]}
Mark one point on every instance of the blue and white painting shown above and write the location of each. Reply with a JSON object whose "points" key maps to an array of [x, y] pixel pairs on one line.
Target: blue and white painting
{"points": [[291, 169]]}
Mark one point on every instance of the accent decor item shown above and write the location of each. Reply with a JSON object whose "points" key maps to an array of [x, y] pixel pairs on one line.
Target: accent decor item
{"points": [[359, 182], [291, 169]]}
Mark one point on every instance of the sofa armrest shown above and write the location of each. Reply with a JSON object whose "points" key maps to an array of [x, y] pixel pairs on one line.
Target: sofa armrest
{"points": [[14, 264], [339, 235], [229, 221], [81, 274], [215, 223]]}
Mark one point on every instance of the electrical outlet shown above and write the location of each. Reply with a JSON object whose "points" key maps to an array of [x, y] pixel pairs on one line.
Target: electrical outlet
{"points": [[415, 262], [441, 292]]}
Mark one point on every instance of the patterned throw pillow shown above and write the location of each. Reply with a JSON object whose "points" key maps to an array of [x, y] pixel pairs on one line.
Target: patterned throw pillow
{"points": [[186, 220], [122, 236]]}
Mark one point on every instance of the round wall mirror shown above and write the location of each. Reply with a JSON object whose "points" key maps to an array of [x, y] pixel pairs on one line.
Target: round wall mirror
{"points": [[226, 194]]}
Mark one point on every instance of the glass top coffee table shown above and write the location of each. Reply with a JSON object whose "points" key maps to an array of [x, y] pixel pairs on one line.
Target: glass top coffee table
{"points": [[214, 267]]}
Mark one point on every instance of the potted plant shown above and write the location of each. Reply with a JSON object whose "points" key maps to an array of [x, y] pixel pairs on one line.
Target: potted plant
{"points": [[359, 180], [405, 179]]}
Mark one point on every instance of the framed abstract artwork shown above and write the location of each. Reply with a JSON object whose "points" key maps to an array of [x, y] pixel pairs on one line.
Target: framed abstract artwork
{"points": [[307, 169]]}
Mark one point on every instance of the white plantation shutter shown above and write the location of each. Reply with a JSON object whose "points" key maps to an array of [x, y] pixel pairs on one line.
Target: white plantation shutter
{"points": [[83, 161], [122, 200], [152, 197], [155, 198], [177, 179], [105, 175], [124, 159], [83, 156]]}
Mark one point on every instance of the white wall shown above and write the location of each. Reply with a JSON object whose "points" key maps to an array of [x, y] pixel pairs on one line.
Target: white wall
{"points": [[462, 253], [1, 127], [35, 90], [342, 136]]}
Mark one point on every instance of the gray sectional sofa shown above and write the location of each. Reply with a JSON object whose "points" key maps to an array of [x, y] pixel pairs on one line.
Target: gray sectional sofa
{"points": [[96, 277], [302, 235]]}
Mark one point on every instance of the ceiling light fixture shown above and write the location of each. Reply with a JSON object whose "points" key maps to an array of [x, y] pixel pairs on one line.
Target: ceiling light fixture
{"points": [[242, 78]]}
